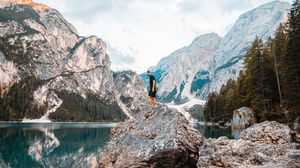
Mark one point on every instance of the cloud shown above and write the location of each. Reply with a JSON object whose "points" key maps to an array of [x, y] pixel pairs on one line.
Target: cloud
{"points": [[91, 9], [118, 57], [141, 32]]}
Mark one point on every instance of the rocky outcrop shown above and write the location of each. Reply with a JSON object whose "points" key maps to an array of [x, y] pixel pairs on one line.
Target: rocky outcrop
{"points": [[132, 91], [243, 117], [159, 137], [262, 145], [69, 72]]}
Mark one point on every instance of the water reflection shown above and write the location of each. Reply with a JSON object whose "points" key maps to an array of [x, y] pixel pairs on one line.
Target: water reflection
{"points": [[65, 144], [213, 131], [56, 145], [42, 147]]}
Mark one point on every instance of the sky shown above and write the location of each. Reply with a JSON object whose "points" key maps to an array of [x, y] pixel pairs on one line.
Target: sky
{"points": [[138, 33]]}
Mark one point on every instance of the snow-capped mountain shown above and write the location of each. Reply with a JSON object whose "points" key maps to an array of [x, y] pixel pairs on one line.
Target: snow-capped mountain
{"points": [[228, 58], [51, 70], [175, 73], [210, 60]]}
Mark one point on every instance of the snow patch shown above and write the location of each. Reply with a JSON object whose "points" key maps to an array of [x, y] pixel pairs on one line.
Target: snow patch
{"points": [[183, 107]]}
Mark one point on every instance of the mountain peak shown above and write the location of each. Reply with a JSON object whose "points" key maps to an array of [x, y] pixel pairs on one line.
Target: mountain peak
{"points": [[206, 37], [270, 6], [38, 6], [275, 3], [209, 61]]}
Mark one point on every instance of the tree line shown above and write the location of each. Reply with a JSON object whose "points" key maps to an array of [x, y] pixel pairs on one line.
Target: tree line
{"points": [[17, 102], [270, 81]]}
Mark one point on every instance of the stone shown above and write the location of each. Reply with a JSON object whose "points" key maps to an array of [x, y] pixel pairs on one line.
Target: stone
{"points": [[243, 117], [262, 145], [269, 132], [159, 137]]}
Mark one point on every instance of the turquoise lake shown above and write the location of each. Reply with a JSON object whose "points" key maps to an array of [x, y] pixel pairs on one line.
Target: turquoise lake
{"points": [[30, 145]]}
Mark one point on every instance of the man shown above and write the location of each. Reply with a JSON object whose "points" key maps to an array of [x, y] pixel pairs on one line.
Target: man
{"points": [[152, 89]]}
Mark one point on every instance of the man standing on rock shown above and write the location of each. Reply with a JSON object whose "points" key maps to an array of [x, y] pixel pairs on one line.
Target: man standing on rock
{"points": [[152, 89]]}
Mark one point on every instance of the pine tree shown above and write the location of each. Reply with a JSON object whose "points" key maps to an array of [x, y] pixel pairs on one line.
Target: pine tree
{"points": [[219, 108], [255, 76], [278, 51], [271, 94], [270, 82], [291, 63], [241, 89], [209, 110]]}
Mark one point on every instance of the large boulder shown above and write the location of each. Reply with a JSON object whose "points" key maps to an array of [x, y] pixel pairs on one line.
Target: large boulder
{"points": [[159, 137], [243, 117], [269, 132], [262, 145]]}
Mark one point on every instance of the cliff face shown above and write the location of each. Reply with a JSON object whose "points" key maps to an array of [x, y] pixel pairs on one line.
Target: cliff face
{"points": [[49, 70], [227, 61], [132, 91], [175, 73]]}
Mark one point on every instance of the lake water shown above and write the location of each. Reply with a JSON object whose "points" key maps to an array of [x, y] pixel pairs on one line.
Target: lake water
{"points": [[31, 145]]}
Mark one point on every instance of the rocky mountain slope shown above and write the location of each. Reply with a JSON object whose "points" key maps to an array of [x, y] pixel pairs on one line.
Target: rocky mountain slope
{"points": [[227, 60], [132, 91], [48, 71], [210, 60], [175, 73]]}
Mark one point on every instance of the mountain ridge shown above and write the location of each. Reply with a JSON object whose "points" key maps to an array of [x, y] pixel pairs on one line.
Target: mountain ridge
{"points": [[179, 67], [50, 72], [226, 60]]}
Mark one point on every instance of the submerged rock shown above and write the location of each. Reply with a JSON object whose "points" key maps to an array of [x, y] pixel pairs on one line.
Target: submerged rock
{"points": [[262, 145], [243, 117], [159, 137]]}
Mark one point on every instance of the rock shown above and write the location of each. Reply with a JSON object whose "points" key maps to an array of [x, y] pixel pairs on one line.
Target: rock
{"points": [[296, 125], [296, 130], [236, 132], [159, 137], [269, 132], [243, 117], [132, 91], [253, 149]]}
